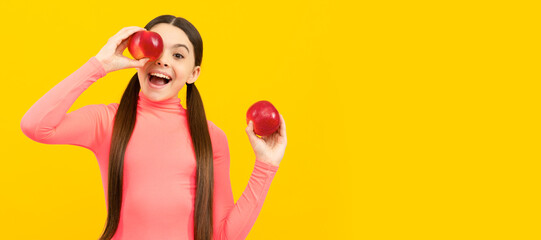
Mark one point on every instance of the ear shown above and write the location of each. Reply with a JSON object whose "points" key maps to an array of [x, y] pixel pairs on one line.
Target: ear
{"points": [[195, 73]]}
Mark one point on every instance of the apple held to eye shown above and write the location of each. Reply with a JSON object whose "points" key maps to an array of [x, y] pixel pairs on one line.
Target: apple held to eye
{"points": [[144, 44], [265, 118]]}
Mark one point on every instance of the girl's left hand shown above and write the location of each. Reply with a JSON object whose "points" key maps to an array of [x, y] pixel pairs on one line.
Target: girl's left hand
{"points": [[269, 149]]}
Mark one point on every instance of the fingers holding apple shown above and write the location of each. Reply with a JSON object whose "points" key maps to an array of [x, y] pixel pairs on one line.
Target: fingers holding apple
{"points": [[264, 120], [111, 54]]}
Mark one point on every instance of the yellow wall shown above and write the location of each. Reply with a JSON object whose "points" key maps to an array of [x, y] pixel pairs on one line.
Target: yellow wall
{"points": [[405, 119]]}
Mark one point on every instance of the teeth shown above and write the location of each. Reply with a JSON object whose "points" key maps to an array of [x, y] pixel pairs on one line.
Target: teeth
{"points": [[160, 75]]}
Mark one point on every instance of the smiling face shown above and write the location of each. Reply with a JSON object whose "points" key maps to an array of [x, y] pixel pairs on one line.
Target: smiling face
{"points": [[177, 61]]}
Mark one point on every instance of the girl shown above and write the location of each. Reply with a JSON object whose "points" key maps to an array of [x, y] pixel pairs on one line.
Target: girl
{"points": [[165, 169]]}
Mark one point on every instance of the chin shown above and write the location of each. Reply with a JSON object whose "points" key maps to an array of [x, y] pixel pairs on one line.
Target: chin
{"points": [[153, 95]]}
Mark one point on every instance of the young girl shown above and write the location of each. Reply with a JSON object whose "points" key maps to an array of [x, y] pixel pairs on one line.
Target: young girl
{"points": [[165, 169]]}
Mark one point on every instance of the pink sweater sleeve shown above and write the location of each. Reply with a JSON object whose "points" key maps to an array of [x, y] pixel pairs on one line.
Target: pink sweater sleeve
{"points": [[232, 220], [47, 121]]}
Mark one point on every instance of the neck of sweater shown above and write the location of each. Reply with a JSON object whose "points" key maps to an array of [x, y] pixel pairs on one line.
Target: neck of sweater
{"points": [[167, 105]]}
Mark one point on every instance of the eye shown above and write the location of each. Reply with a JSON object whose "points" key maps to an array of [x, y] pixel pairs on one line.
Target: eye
{"points": [[179, 55]]}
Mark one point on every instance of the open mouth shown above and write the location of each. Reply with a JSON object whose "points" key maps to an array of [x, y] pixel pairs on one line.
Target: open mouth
{"points": [[158, 81]]}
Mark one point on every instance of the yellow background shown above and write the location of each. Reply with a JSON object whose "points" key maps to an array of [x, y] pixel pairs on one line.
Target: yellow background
{"points": [[405, 119]]}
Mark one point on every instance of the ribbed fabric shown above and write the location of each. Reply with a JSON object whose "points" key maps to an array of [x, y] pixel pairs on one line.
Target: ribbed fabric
{"points": [[159, 164]]}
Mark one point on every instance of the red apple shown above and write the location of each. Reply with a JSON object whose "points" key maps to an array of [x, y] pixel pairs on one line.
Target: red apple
{"points": [[265, 118], [144, 44]]}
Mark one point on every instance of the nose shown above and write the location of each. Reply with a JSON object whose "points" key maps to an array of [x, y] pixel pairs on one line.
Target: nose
{"points": [[161, 62]]}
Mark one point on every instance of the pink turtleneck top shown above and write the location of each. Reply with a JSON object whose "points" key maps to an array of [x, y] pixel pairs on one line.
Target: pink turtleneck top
{"points": [[159, 164]]}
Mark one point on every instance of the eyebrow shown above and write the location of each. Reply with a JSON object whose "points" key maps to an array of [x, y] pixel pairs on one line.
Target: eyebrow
{"points": [[181, 45]]}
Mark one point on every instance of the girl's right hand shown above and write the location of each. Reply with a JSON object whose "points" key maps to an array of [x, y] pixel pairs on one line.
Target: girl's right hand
{"points": [[111, 56]]}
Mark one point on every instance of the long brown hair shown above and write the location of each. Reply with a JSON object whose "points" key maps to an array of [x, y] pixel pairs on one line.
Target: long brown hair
{"points": [[124, 123]]}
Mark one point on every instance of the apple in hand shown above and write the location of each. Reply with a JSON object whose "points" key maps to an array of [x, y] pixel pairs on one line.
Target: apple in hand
{"points": [[265, 118], [144, 44]]}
